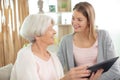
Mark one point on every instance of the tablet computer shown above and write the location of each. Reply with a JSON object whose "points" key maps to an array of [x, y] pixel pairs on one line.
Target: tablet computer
{"points": [[106, 65]]}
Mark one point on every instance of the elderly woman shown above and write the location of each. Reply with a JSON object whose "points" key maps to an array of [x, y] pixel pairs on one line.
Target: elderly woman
{"points": [[35, 62]]}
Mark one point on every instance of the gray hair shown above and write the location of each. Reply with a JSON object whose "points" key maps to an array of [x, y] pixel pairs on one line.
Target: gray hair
{"points": [[35, 25]]}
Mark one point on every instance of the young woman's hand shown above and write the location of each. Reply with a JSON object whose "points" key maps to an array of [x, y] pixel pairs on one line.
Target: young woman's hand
{"points": [[77, 73], [95, 76]]}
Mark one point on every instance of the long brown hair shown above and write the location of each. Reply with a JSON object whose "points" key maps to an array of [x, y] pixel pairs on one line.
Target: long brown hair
{"points": [[88, 11]]}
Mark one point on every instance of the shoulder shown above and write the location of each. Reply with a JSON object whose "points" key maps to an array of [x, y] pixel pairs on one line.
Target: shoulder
{"points": [[24, 56], [67, 37], [24, 51], [103, 33]]}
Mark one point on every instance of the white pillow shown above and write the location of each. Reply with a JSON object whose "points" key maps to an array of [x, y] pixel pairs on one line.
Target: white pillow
{"points": [[5, 72]]}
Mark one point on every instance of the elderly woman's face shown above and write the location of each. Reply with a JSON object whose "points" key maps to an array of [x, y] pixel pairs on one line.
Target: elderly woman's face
{"points": [[48, 37]]}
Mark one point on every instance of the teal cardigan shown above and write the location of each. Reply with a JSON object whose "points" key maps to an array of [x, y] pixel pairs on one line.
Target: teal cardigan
{"points": [[105, 51]]}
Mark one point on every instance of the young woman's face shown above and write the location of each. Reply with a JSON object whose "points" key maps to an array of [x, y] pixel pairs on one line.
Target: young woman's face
{"points": [[48, 36], [79, 21]]}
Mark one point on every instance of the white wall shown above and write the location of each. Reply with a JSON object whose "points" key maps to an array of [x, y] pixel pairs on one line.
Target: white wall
{"points": [[108, 18]]}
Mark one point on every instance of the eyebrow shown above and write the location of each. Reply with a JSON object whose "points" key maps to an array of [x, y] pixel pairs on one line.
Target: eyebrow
{"points": [[78, 17]]}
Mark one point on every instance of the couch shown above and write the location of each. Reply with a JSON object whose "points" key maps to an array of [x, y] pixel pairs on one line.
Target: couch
{"points": [[5, 72]]}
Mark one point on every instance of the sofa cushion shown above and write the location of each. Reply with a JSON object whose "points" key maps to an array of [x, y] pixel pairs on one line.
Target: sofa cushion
{"points": [[5, 72]]}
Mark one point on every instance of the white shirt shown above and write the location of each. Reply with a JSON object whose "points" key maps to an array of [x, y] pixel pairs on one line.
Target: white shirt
{"points": [[46, 69]]}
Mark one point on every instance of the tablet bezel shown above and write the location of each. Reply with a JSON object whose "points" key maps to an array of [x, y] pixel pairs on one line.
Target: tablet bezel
{"points": [[106, 65]]}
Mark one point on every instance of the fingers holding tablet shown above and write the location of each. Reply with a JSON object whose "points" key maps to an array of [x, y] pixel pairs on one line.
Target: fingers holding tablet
{"points": [[95, 76], [105, 66]]}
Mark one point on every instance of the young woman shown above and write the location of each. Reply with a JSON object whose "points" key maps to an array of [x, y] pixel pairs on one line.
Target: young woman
{"points": [[87, 45]]}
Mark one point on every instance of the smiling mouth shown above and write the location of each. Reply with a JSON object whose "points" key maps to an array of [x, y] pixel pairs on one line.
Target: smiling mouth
{"points": [[76, 27]]}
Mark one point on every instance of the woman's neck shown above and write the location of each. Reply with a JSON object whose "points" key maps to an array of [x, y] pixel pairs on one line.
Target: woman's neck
{"points": [[82, 35], [40, 50], [83, 39]]}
